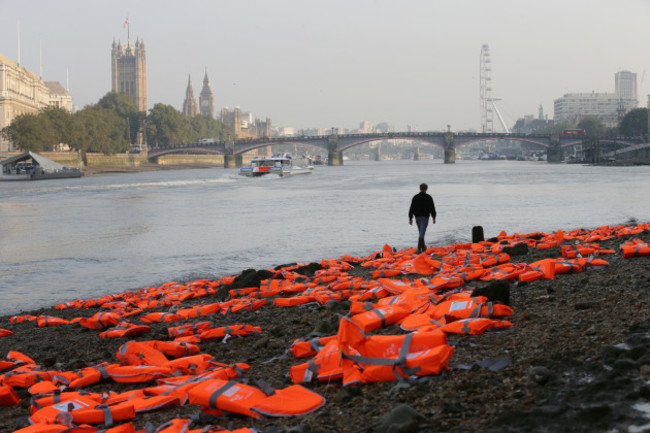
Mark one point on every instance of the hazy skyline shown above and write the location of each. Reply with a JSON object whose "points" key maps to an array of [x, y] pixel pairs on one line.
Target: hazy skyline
{"points": [[334, 64]]}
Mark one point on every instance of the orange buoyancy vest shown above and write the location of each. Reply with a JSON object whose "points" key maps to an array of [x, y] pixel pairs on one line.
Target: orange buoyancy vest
{"points": [[390, 357], [566, 266], [199, 310], [125, 329], [8, 396], [85, 412], [174, 349], [19, 358], [326, 365], [541, 269], [88, 376], [192, 364], [25, 376], [137, 353], [302, 348], [506, 271], [137, 373], [634, 248], [101, 320], [247, 400], [231, 396], [44, 321], [230, 330], [474, 326], [161, 317], [485, 309], [573, 251], [379, 317], [189, 329], [425, 265], [290, 401], [5, 333]]}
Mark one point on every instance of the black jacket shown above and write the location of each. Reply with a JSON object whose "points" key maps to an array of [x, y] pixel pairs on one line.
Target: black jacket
{"points": [[422, 206]]}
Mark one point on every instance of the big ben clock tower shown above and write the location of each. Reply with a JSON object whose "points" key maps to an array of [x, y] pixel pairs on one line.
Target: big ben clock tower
{"points": [[206, 98]]}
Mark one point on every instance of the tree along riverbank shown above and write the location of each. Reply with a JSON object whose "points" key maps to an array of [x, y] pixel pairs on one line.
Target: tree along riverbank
{"points": [[576, 359]]}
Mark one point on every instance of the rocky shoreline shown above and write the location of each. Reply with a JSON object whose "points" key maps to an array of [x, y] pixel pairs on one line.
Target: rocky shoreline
{"points": [[577, 357]]}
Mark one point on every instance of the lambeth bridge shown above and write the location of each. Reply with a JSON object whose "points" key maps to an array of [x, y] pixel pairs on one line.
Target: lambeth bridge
{"points": [[449, 141]]}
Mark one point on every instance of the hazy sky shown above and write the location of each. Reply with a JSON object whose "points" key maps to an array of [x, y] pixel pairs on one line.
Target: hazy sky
{"points": [[335, 63]]}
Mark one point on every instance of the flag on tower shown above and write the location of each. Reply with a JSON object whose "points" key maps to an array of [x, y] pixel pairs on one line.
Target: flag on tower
{"points": [[126, 22]]}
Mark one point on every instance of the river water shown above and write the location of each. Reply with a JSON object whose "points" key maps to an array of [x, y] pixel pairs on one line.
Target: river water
{"points": [[82, 238]]}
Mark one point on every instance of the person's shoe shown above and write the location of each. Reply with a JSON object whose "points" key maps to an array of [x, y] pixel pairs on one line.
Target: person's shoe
{"points": [[421, 246]]}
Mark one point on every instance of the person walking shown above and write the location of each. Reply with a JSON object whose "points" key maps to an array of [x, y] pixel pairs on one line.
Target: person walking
{"points": [[421, 207]]}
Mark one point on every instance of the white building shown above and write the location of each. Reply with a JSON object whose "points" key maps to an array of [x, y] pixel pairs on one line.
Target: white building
{"points": [[608, 107], [21, 92]]}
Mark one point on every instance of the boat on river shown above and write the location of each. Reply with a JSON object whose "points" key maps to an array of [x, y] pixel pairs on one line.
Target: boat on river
{"points": [[281, 164], [32, 166]]}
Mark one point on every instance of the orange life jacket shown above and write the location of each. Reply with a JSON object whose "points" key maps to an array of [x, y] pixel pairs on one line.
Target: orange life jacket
{"points": [[390, 357], [302, 348], [137, 373], [5, 333], [8, 396], [635, 247], [125, 329], [379, 317], [230, 330], [189, 329], [101, 320], [44, 321], [474, 326], [544, 269], [85, 412], [326, 365], [199, 310], [161, 317], [137, 353], [25, 376]]}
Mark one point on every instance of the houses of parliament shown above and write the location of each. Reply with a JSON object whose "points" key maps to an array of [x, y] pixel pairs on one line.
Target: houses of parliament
{"points": [[129, 75], [241, 123]]}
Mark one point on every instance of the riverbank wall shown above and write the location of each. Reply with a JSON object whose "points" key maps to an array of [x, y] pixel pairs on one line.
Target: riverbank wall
{"points": [[127, 162]]}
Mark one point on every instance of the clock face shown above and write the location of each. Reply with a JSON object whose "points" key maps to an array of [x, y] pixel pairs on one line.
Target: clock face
{"points": [[205, 104]]}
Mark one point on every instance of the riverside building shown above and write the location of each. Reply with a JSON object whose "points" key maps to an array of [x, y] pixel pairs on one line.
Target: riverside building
{"points": [[23, 92], [608, 107], [129, 71]]}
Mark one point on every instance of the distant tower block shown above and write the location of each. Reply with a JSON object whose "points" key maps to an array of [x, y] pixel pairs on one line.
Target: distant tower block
{"points": [[206, 98], [129, 71]]}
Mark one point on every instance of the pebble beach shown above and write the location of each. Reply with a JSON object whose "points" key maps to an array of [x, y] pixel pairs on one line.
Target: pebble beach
{"points": [[575, 358]]}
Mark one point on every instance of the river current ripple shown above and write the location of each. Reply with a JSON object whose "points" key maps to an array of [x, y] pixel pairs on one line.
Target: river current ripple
{"points": [[82, 238]]}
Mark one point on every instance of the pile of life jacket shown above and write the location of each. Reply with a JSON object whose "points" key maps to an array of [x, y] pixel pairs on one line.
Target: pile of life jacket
{"points": [[422, 310]]}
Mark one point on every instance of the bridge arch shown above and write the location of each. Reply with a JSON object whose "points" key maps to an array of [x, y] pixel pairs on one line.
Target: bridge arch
{"points": [[243, 148], [348, 145]]}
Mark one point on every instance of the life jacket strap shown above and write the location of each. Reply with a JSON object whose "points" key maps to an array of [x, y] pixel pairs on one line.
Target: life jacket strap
{"points": [[217, 393]]}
